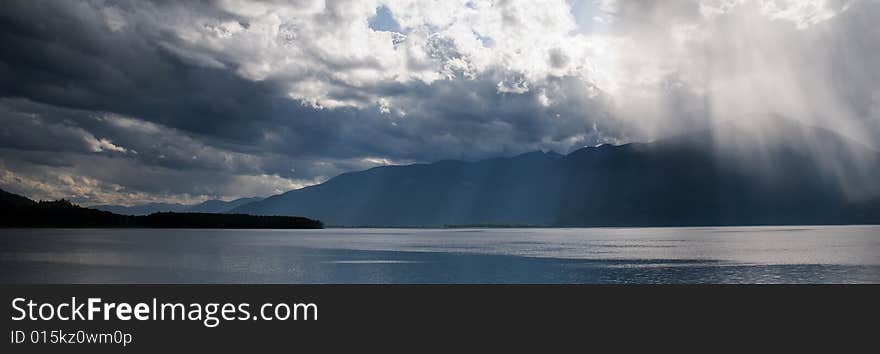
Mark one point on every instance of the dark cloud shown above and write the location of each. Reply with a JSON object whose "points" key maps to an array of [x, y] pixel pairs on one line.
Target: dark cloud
{"points": [[138, 100]]}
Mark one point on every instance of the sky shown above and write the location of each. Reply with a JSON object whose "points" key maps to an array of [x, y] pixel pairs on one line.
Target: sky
{"points": [[126, 102]]}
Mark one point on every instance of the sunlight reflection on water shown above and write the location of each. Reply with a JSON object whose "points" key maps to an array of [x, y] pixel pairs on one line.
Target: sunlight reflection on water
{"points": [[571, 255]]}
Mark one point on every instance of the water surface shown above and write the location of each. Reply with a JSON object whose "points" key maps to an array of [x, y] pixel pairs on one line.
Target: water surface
{"points": [[788, 254]]}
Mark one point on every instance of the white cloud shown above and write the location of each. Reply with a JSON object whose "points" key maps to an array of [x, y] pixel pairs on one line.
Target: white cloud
{"points": [[323, 50], [463, 79], [102, 144], [652, 61], [802, 13], [328, 57]]}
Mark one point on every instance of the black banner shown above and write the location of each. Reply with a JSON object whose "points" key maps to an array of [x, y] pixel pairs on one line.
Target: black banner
{"points": [[291, 318]]}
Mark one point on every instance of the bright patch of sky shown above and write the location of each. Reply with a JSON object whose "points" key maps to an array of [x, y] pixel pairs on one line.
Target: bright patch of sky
{"points": [[586, 14], [384, 21]]}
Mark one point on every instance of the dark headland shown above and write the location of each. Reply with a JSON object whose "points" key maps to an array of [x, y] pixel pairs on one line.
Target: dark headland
{"points": [[19, 211]]}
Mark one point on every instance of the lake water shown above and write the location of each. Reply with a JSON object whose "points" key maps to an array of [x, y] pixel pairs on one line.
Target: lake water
{"points": [[788, 254]]}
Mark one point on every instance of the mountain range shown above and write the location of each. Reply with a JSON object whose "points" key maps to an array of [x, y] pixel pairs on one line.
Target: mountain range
{"points": [[780, 173], [209, 206], [20, 211]]}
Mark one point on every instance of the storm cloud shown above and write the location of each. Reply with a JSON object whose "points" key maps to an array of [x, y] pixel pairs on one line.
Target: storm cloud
{"points": [[134, 101]]}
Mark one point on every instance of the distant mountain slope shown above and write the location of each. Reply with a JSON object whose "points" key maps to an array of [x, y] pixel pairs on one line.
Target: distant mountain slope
{"points": [[19, 211], [742, 177], [210, 206], [219, 206], [142, 209]]}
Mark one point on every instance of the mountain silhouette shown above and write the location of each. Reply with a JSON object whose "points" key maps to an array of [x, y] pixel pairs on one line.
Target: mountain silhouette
{"points": [[209, 206], [780, 173], [19, 211]]}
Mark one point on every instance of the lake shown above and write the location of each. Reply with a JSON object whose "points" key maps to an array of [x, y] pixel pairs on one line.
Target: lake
{"points": [[784, 254]]}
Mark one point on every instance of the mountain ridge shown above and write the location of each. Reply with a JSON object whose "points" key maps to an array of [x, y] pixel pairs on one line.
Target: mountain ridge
{"points": [[745, 177], [208, 206], [20, 211]]}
